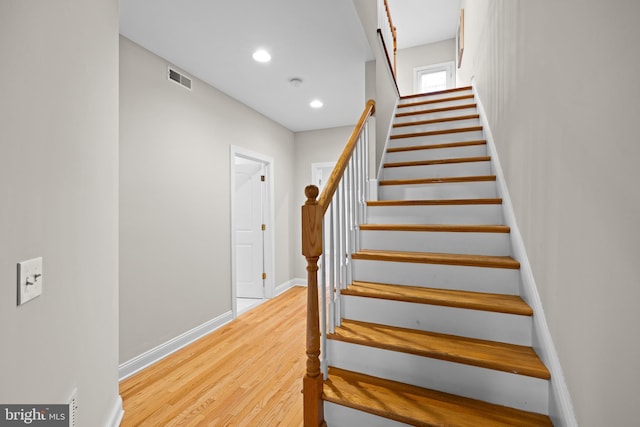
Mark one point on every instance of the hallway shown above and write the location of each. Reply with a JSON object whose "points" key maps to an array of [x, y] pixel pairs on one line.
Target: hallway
{"points": [[247, 373]]}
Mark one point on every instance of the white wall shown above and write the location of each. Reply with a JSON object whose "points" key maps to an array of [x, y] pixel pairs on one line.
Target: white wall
{"points": [[559, 81], [419, 56], [316, 146], [59, 187], [175, 201], [385, 91]]}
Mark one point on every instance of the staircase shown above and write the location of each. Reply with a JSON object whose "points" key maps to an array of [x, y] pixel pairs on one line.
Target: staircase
{"points": [[433, 331]]}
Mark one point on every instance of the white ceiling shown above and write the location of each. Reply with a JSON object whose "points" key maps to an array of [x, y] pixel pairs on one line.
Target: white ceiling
{"points": [[424, 21], [318, 41]]}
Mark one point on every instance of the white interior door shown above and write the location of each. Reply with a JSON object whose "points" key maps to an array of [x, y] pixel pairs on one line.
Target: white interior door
{"points": [[320, 173], [249, 236]]}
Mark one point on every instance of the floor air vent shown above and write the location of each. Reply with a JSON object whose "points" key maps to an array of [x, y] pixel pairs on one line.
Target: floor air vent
{"points": [[179, 78]]}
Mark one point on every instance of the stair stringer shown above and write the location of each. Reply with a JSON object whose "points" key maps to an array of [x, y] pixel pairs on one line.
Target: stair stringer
{"points": [[372, 188], [561, 409]]}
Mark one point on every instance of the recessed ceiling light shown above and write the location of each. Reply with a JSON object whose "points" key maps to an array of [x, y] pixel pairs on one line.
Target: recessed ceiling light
{"points": [[261, 56], [316, 103]]}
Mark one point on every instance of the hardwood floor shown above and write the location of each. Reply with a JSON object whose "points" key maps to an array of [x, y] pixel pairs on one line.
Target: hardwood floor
{"points": [[247, 373]]}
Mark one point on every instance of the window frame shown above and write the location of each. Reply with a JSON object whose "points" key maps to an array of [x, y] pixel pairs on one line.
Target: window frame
{"points": [[449, 67]]}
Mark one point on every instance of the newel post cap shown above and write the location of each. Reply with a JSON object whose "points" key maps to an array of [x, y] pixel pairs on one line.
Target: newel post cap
{"points": [[311, 191]]}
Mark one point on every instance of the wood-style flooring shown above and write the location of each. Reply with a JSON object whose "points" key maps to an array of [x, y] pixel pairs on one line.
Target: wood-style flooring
{"points": [[247, 373]]}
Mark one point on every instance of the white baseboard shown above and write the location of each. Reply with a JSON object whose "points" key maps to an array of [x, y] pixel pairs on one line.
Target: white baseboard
{"points": [[116, 414], [561, 408], [290, 284], [150, 357]]}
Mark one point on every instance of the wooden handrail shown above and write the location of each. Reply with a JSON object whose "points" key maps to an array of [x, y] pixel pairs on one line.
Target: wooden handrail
{"points": [[312, 215], [341, 165], [394, 35]]}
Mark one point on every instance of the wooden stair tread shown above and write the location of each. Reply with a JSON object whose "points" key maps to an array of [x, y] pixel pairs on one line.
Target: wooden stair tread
{"points": [[438, 162], [419, 406], [446, 180], [436, 146], [436, 132], [439, 92], [435, 202], [435, 101], [437, 110], [498, 303], [512, 358], [455, 228], [434, 121], [488, 261]]}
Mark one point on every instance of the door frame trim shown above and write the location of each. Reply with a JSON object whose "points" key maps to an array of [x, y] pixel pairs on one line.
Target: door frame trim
{"points": [[269, 242]]}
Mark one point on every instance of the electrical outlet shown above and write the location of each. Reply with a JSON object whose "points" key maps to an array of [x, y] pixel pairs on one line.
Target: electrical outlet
{"points": [[29, 280]]}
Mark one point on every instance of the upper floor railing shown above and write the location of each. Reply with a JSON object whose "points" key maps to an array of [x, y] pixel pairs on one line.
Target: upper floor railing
{"points": [[330, 226], [388, 32]]}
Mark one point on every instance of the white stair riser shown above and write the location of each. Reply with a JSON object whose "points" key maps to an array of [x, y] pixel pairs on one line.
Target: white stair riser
{"points": [[502, 388], [443, 191], [437, 170], [454, 124], [436, 139], [457, 214], [434, 96], [436, 153], [436, 115], [440, 104], [476, 279], [486, 325], [342, 416], [437, 241]]}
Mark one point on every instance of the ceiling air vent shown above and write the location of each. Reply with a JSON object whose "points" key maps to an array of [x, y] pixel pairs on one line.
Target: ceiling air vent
{"points": [[179, 78]]}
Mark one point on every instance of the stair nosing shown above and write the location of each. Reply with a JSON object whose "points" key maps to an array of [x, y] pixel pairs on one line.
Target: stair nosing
{"points": [[455, 228], [464, 260], [450, 161], [438, 146], [442, 297], [436, 121], [435, 202], [435, 101], [438, 92], [440, 404], [444, 180], [437, 110], [431, 340], [436, 132]]}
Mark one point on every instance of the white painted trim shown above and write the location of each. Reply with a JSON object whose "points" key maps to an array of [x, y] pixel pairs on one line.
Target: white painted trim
{"points": [[158, 353], [116, 414], [559, 394], [387, 139], [373, 190], [280, 289], [235, 151]]}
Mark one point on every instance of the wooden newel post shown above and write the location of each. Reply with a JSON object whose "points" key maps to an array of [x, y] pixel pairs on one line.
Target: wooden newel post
{"points": [[312, 214]]}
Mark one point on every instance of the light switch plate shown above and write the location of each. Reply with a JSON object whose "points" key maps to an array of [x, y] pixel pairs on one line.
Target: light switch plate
{"points": [[29, 280]]}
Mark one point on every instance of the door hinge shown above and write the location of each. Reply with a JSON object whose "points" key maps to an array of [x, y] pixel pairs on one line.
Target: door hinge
{"points": [[264, 227], [264, 276], [262, 178]]}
